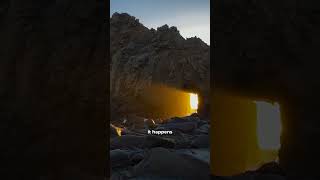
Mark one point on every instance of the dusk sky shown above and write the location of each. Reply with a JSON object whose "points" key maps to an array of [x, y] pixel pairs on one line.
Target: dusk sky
{"points": [[191, 17]]}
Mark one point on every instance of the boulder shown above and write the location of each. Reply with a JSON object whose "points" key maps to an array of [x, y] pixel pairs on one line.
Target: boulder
{"points": [[127, 142], [119, 158], [124, 158], [149, 124], [133, 142], [186, 127], [161, 162], [156, 141], [204, 129], [201, 141], [200, 154]]}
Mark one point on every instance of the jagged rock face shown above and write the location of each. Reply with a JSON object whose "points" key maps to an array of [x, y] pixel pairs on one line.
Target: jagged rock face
{"points": [[53, 89], [141, 58], [267, 49]]}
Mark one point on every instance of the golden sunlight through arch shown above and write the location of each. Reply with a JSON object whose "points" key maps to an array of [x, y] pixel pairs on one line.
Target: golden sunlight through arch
{"points": [[194, 102]]}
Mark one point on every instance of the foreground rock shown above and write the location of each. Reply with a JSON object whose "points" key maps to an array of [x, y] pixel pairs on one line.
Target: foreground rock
{"points": [[131, 142], [160, 162], [124, 158], [201, 141], [185, 154]]}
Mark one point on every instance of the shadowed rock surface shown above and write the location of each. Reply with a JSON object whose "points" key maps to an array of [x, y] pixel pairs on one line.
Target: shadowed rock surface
{"points": [[53, 89]]}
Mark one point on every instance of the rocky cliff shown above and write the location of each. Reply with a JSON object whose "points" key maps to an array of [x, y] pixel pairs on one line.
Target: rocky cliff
{"points": [[142, 57], [269, 50]]}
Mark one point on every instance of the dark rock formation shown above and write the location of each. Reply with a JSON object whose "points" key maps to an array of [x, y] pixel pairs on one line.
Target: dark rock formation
{"points": [[53, 89], [268, 50], [142, 58]]}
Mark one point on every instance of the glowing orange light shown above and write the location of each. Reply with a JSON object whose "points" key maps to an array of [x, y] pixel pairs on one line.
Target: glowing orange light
{"points": [[194, 101]]}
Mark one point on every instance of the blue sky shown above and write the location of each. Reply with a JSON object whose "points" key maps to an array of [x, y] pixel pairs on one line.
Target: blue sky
{"points": [[191, 17]]}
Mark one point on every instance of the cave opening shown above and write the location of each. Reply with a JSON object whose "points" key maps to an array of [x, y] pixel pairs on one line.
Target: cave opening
{"points": [[160, 101], [245, 134]]}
